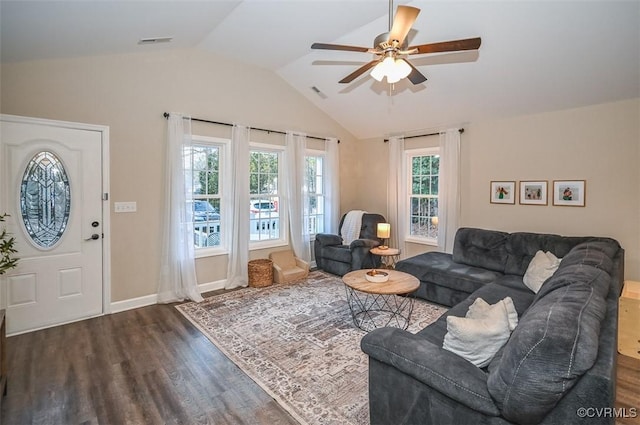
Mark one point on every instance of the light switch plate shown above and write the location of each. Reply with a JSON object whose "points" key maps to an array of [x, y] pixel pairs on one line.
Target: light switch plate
{"points": [[125, 207]]}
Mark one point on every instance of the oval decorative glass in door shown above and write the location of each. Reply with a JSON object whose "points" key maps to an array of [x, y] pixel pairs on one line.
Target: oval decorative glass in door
{"points": [[45, 199]]}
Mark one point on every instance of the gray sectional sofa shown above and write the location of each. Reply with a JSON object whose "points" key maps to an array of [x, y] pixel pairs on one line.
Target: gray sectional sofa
{"points": [[560, 358]]}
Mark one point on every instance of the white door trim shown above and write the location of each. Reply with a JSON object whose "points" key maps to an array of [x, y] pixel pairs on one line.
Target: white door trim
{"points": [[106, 216]]}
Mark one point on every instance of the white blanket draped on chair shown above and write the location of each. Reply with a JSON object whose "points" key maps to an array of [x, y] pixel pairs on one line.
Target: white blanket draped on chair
{"points": [[351, 226]]}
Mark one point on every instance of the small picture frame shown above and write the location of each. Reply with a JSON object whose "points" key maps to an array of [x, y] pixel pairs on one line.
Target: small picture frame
{"points": [[533, 192], [570, 193], [503, 192]]}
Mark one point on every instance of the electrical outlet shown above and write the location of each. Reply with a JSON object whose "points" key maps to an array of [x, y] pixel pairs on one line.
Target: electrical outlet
{"points": [[125, 207]]}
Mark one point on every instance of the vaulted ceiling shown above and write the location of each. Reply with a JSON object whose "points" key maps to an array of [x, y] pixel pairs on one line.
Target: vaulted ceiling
{"points": [[535, 56]]}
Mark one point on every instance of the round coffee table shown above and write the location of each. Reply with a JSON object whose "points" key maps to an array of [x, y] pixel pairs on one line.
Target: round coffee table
{"points": [[375, 305]]}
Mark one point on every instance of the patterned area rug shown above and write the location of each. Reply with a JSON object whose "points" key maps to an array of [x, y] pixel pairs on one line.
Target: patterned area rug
{"points": [[299, 343]]}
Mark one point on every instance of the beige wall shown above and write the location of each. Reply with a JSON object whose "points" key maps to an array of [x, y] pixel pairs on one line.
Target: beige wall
{"points": [[129, 93], [600, 144]]}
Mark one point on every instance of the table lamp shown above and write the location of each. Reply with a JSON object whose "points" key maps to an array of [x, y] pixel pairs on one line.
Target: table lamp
{"points": [[384, 232]]}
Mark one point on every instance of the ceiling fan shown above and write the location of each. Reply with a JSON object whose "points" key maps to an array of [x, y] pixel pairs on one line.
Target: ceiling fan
{"points": [[391, 49]]}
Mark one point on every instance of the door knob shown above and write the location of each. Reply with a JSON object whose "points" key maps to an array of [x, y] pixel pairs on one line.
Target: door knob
{"points": [[93, 237]]}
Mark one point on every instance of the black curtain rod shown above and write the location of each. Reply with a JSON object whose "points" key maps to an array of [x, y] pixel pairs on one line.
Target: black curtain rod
{"points": [[461, 130], [166, 115]]}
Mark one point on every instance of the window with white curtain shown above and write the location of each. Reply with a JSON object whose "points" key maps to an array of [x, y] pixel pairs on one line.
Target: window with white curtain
{"points": [[266, 211], [314, 211], [205, 169], [422, 169]]}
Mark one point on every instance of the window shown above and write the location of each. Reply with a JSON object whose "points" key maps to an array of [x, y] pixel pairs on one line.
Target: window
{"points": [[264, 203], [45, 199], [423, 173], [314, 182], [204, 169]]}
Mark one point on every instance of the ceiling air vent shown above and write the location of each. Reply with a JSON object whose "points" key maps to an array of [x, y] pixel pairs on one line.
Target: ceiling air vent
{"points": [[318, 92], [155, 40]]}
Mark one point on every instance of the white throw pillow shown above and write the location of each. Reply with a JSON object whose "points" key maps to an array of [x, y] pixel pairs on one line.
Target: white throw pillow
{"points": [[485, 329], [542, 267]]}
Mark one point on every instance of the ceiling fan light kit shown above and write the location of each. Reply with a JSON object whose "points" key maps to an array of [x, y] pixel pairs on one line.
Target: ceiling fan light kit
{"points": [[390, 49], [394, 69]]}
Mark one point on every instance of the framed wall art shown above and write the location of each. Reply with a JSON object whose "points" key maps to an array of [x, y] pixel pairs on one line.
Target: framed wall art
{"points": [[533, 192], [503, 192], [569, 193]]}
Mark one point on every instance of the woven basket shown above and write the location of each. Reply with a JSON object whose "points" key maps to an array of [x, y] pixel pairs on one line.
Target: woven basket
{"points": [[260, 273]]}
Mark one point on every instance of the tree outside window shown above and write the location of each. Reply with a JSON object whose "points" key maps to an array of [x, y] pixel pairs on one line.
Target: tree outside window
{"points": [[204, 173], [423, 198], [264, 217], [314, 182]]}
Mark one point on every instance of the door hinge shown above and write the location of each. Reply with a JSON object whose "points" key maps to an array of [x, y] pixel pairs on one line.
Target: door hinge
{"points": [[105, 196]]}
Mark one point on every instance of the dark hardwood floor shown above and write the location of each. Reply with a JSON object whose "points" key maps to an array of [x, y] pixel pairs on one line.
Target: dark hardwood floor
{"points": [[144, 366], [628, 390], [151, 366]]}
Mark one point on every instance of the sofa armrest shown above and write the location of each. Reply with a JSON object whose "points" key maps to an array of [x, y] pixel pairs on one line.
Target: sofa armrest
{"points": [[430, 364], [326, 239], [302, 264], [278, 273], [361, 258], [363, 243]]}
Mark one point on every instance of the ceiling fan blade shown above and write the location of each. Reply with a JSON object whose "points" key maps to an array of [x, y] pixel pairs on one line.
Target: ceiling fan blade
{"points": [[404, 19], [358, 72], [415, 76], [326, 46], [448, 46]]}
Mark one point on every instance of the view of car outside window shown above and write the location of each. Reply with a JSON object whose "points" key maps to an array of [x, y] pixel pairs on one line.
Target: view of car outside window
{"points": [[264, 212], [204, 171]]}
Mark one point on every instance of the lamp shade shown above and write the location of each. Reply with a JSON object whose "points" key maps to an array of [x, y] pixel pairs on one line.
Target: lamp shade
{"points": [[393, 69], [384, 230]]}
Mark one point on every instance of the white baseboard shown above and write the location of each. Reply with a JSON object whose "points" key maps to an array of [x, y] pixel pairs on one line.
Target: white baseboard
{"points": [[130, 304], [212, 286]]}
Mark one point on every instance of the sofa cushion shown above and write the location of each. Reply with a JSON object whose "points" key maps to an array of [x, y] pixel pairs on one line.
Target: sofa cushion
{"points": [[541, 362], [481, 248], [523, 246], [339, 253], [580, 265], [521, 296], [479, 335], [284, 259], [440, 269], [542, 267], [596, 253]]}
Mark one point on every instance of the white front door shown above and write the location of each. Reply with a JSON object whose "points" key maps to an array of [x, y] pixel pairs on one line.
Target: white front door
{"points": [[52, 189]]}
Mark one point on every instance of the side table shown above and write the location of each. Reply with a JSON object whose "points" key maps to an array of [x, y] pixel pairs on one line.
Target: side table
{"points": [[389, 256], [628, 317]]}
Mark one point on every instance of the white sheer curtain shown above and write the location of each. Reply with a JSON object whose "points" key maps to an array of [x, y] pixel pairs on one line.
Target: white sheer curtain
{"points": [[449, 189], [298, 195], [237, 272], [396, 199], [332, 186], [178, 269]]}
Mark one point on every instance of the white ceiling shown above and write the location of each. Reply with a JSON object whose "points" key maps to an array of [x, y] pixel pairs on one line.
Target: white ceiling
{"points": [[535, 56]]}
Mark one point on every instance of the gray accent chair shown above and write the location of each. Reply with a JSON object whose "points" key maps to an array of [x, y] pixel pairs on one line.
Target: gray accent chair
{"points": [[335, 257], [560, 358]]}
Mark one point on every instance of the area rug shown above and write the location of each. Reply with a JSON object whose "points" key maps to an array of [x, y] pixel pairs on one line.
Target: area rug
{"points": [[298, 342]]}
